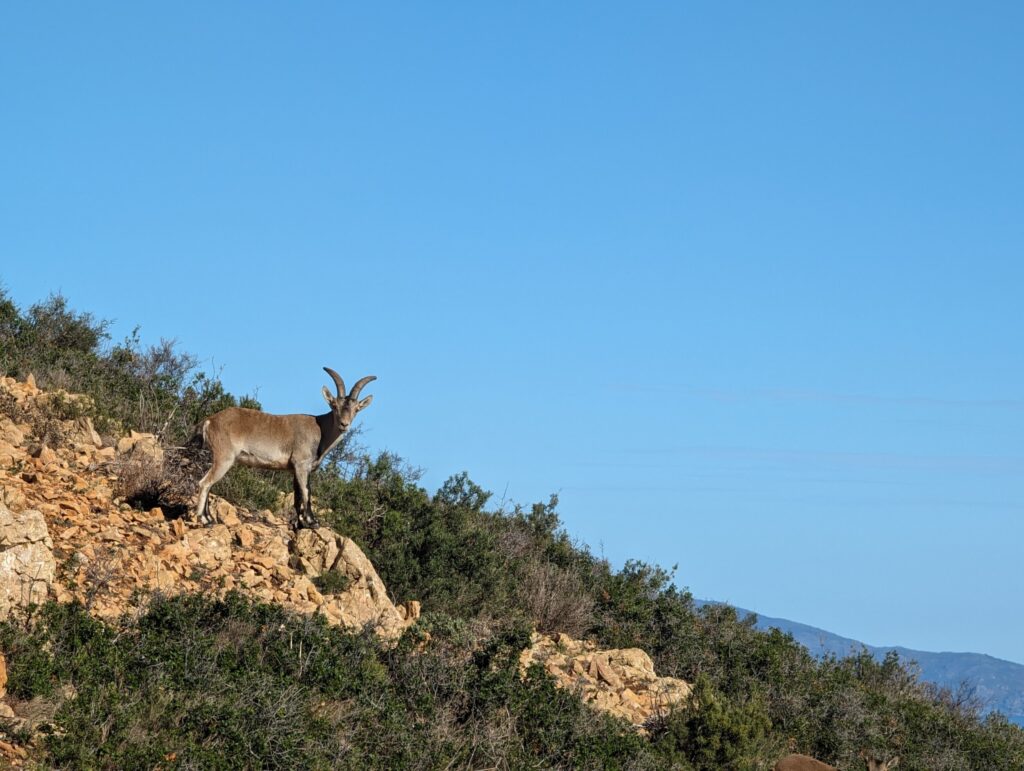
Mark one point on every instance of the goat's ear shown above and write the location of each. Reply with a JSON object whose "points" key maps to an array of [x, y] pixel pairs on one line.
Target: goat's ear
{"points": [[327, 396], [894, 762], [364, 403]]}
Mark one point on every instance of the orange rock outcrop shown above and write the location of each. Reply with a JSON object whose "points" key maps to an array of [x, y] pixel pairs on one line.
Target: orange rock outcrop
{"points": [[63, 535], [620, 681]]}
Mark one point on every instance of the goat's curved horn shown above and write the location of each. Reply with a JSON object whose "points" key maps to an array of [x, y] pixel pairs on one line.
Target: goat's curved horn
{"points": [[359, 386], [338, 382]]}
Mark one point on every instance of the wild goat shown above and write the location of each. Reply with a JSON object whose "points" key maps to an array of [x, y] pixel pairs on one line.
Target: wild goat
{"points": [[296, 442], [806, 763]]}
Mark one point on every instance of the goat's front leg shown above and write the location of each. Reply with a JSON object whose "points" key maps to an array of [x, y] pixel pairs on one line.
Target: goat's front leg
{"points": [[303, 509]]}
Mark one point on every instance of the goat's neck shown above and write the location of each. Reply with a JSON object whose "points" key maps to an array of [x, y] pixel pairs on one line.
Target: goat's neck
{"points": [[330, 433]]}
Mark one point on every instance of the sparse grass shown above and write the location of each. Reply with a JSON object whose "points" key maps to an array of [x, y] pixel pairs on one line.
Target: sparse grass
{"points": [[556, 599], [254, 489]]}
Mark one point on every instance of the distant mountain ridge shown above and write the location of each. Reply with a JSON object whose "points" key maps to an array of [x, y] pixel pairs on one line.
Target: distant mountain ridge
{"points": [[998, 683]]}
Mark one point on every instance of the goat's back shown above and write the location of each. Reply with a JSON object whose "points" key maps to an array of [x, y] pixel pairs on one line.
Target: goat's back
{"points": [[796, 762], [241, 423]]}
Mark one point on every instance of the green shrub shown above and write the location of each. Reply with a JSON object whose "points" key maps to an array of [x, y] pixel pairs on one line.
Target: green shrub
{"points": [[332, 582], [155, 389], [712, 732], [201, 683]]}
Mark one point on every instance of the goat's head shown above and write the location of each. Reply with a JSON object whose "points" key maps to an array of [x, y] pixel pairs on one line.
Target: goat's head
{"points": [[345, 406]]}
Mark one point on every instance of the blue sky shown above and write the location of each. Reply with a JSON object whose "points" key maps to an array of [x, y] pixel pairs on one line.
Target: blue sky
{"points": [[741, 282]]}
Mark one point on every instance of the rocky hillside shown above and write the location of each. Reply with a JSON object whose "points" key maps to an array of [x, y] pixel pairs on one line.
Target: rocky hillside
{"points": [[66, 535], [132, 639]]}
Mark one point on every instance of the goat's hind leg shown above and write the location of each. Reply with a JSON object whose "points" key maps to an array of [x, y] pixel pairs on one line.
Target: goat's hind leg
{"points": [[217, 471], [303, 508]]}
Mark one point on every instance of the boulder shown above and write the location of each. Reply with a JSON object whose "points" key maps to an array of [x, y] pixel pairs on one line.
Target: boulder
{"points": [[11, 433], [211, 545], [27, 566], [85, 433], [226, 514], [620, 681], [141, 446], [315, 551]]}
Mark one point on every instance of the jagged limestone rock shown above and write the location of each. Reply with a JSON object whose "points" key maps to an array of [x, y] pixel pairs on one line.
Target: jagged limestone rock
{"points": [[364, 601], [315, 551], [621, 681], [27, 566]]}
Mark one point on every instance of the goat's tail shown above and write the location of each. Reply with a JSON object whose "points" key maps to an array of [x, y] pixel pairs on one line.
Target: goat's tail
{"points": [[198, 439]]}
